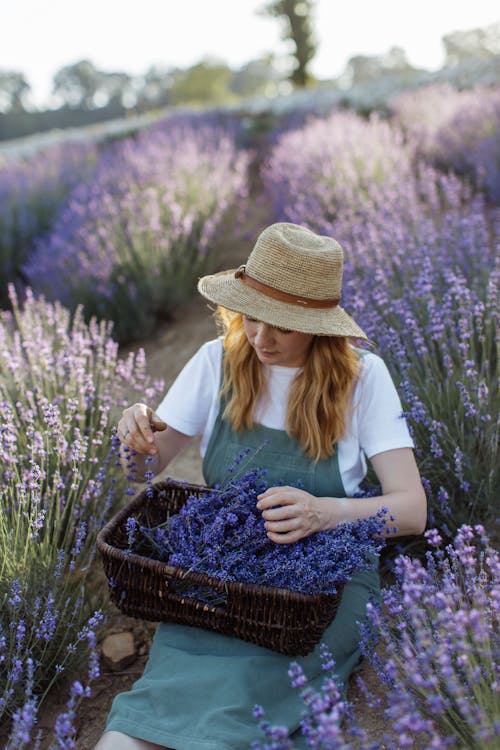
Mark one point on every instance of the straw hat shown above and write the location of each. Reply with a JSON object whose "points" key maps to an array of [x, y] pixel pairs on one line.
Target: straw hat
{"points": [[292, 280]]}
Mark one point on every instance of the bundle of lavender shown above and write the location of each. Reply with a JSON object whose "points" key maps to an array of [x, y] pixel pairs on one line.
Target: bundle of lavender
{"points": [[222, 534]]}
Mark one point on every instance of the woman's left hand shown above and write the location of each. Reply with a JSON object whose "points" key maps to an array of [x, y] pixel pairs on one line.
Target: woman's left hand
{"points": [[291, 514]]}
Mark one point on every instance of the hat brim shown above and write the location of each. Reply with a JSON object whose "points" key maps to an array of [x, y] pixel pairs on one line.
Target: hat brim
{"points": [[225, 289]]}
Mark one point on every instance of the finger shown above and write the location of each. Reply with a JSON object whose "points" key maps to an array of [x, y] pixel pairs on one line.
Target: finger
{"points": [[136, 431], [274, 491], [133, 439], [143, 419], [288, 538], [280, 497], [280, 513], [123, 430], [282, 527]]}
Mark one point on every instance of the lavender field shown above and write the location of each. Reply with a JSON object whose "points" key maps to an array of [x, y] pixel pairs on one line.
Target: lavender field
{"points": [[100, 243]]}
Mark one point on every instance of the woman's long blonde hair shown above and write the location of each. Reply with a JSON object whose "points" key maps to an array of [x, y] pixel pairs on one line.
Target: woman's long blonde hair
{"points": [[320, 396]]}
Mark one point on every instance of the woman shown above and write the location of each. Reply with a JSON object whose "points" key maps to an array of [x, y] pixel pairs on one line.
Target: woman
{"points": [[293, 382]]}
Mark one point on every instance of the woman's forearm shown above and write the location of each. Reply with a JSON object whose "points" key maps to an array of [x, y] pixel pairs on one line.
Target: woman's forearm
{"points": [[402, 494], [406, 511]]}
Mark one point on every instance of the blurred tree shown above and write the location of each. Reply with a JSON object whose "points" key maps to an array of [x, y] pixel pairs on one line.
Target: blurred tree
{"points": [[153, 88], [257, 77], [115, 89], [82, 86], [14, 89], [297, 15], [476, 44], [207, 81], [77, 84], [364, 68]]}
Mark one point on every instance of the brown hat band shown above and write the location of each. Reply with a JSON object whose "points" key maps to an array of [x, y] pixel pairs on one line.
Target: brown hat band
{"points": [[292, 299]]}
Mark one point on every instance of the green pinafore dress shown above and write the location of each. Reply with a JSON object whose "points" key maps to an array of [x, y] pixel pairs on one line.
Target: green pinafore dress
{"points": [[199, 687]]}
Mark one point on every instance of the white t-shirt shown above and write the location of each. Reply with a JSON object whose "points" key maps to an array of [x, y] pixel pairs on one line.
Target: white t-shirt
{"points": [[192, 404]]}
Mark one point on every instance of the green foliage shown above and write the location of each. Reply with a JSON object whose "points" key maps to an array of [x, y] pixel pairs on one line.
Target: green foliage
{"points": [[257, 77], [472, 44], [14, 89], [83, 85], [207, 82]]}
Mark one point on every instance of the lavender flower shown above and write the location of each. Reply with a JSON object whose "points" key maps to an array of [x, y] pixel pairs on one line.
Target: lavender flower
{"points": [[439, 643], [327, 721], [62, 385], [223, 535], [456, 129], [31, 192]]}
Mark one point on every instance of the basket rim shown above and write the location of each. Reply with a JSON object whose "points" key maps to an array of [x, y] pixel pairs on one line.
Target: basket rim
{"points": [[136, 503], [158, 566]]}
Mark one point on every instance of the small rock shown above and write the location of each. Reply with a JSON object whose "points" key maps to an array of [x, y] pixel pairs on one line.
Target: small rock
{"points": [[118, 651]]}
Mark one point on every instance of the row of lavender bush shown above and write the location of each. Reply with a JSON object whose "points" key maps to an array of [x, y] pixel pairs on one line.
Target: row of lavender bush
{"points": [[129, 242], [31, 192], [61, 387], [130, 245], [455, 130], [110, 228], [421, 277]]}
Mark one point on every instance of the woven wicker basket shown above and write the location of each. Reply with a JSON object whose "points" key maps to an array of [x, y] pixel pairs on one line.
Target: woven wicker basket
{"points": [[285, 621]]}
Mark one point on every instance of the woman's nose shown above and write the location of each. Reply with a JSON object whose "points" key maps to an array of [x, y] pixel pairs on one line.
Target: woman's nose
{"points": [[263, 333]]}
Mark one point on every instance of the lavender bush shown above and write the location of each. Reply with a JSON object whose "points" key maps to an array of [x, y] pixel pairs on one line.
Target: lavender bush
{"points": [[327, 720], [438, 657], [421, 277], [31, 192], [440, 636], [129, 245], [457, 130], [339, 163], [434, 316], [222, 534], [23, 733], [61, 382]]}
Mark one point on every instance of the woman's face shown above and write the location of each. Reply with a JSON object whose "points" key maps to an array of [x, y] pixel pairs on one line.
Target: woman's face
{"points": [[277, 346]]}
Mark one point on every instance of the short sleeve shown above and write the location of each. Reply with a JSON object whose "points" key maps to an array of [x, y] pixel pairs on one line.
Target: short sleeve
{"points": [[381, 424], [190, 400]]}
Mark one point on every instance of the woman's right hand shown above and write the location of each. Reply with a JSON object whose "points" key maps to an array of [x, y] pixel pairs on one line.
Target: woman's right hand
{"points": [[137, 426]]}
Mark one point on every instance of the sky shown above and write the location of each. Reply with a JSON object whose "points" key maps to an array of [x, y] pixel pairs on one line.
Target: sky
{"points": [[39, 37]]}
